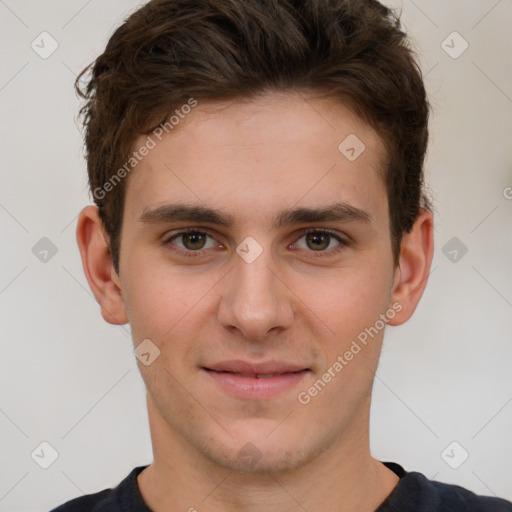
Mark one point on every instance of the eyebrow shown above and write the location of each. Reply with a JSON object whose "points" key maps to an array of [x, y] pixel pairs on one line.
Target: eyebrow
{"points": [[341, 212]]}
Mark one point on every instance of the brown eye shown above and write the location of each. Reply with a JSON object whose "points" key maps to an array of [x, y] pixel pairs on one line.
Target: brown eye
{"points": [[194, 241], [318, 241], [190, 241]]}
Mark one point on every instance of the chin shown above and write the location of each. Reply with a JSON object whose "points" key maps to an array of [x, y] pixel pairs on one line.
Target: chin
{"points": [[254, 460], [255, 451]]}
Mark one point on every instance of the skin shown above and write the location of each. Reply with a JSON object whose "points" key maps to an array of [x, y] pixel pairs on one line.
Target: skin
{"points": [[296, 302]]}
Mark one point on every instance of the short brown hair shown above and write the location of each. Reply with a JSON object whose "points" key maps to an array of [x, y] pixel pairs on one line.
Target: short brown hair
{"points": [[169, 51]]}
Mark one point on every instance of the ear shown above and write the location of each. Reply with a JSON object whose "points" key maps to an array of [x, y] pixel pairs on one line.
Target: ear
{"points": [[98, 268], [411, 275]]}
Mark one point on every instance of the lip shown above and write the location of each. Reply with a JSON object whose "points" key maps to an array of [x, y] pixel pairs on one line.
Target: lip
{"points": [[245, 367], [240, 378]]}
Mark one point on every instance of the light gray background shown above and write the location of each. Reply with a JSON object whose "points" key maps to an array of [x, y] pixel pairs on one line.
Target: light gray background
{"points": [[70, 379]]}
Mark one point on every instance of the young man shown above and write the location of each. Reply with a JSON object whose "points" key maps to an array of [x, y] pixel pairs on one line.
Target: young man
{"points": [[257, 172]]}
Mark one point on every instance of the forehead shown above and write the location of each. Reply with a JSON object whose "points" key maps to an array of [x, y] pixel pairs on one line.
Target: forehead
{"points": [[253, 157]]}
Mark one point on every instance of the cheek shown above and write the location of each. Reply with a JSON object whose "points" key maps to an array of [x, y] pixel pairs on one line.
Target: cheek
{"points": [[150, 305], [351, 307], [349, 302], [167, 305]]}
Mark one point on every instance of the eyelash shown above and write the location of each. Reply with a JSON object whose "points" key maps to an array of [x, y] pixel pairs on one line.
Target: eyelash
{"points": [[194, 254]]}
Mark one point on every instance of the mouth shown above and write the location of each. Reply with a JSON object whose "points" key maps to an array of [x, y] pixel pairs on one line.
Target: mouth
{"points": [[255, 381], [253, 375]]}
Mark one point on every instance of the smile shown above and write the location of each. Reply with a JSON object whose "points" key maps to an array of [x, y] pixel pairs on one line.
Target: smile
{"points": [[254, 386]]}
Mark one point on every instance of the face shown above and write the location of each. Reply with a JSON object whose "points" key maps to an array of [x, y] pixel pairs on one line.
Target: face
{"points": [[255, 256]]}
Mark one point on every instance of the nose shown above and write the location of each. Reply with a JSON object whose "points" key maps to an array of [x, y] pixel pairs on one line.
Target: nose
{"points": [[255, 298]]}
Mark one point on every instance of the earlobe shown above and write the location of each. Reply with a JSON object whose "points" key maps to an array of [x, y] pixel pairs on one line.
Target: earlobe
{"points": [[98, 268], [411, 277]]}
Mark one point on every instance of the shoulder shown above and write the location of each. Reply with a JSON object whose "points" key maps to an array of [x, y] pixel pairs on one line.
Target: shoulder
{"points": [[89, 503], [124, 497], [416, 492], [455, 497]]}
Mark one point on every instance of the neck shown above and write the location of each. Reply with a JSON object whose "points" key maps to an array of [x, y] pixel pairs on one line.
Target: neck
{"points": [[344, 477]]}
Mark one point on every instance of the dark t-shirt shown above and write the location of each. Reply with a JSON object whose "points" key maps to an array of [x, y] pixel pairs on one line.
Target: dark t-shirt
{"points": [[414, 492]]}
